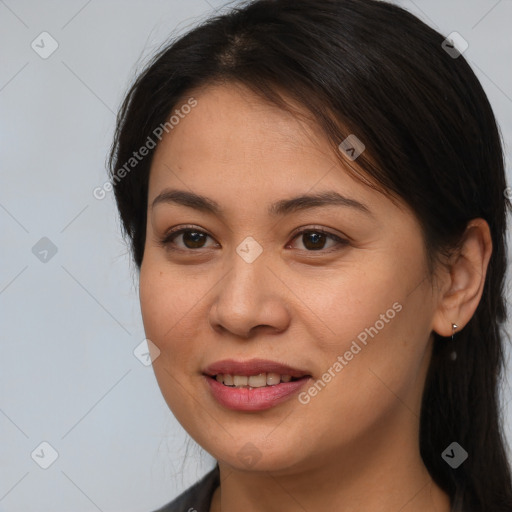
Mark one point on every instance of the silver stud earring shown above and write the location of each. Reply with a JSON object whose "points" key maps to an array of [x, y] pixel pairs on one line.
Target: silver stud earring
{"points": [[453, 355]]}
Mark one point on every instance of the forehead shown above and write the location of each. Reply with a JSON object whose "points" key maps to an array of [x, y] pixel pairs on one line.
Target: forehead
{"points": [[233, 133], [248, 156], [246, 153], [231, 120]]}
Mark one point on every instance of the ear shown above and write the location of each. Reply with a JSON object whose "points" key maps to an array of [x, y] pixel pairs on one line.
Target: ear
{"points": [[463, 283]]}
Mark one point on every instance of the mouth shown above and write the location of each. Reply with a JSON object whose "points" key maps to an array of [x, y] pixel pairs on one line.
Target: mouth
{"points": [[261, 380], [253, 385], [253, 367]]}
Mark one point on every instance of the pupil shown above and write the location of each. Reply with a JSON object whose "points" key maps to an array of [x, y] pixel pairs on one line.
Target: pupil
{"points": [[318, 240], [194, 238]]}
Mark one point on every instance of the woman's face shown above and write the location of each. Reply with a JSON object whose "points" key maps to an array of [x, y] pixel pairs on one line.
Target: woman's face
{"points": [[353, 309]]}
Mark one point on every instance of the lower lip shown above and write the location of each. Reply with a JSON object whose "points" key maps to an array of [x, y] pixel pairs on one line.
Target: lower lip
{"points": [[255, 399]]}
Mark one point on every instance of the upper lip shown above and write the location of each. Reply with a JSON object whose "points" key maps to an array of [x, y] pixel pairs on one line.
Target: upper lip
{"points": [[252, 367]]}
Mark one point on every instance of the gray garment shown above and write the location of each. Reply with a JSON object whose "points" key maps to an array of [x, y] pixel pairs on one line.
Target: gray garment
{"points": [[196, 498]]}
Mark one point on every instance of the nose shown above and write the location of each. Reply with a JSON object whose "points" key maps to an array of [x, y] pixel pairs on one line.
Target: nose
{"points": [[249, 300]]}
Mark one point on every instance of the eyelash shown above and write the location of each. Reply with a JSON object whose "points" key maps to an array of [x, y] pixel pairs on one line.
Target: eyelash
{"points": [[167, 240]]}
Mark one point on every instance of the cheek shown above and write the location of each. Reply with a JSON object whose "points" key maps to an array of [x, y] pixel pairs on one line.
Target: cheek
{"points": [[377, 323], [174, 311], [167, 310], [349, 302], [165, 301]]}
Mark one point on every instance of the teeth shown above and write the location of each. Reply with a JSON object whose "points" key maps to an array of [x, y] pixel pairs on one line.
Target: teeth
{"points": [[240, 380], [273, 378], [257, 381], [253, 381]]}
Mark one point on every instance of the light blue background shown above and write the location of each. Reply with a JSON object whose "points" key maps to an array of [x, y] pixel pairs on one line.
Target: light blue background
{"points": [[68, 327]]}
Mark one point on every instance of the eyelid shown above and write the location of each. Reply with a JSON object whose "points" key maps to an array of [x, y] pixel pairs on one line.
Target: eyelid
{"points": [[317, 228], [166, 240], [341, 240]]}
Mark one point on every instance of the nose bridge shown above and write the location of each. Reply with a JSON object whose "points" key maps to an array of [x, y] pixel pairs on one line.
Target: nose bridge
{"points": [[245, 283], [249, 295]]}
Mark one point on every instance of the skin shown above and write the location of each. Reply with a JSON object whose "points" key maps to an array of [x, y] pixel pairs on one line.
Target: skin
{"points": [[354, 446]]}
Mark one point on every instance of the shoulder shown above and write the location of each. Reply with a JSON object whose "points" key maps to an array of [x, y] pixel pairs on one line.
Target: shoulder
{"points": [[196, 498]]}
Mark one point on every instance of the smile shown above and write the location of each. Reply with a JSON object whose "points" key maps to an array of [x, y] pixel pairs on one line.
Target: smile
{"points": [[253, 381]]}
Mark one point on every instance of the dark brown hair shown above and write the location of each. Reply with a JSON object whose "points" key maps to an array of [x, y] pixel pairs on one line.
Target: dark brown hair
{"points": [[372, 69]]}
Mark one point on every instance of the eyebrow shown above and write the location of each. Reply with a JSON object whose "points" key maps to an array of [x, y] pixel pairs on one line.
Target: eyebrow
{"points": [[279, 208]]}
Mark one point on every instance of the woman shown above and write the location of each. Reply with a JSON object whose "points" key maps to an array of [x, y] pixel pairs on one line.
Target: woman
{"points": [[314, 196]]}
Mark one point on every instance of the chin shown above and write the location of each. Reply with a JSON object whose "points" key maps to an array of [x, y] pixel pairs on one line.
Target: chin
{"points": [[249, 455]]}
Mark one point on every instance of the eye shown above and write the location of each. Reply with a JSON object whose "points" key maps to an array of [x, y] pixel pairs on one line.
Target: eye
{"points": [[314, 239], [192, 238]]}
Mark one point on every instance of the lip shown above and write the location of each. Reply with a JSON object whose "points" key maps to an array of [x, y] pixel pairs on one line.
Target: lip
{"points": [[254, 399], [252, 367]]}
